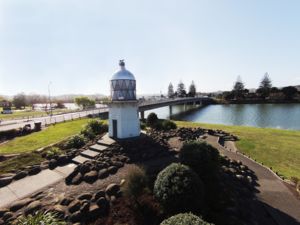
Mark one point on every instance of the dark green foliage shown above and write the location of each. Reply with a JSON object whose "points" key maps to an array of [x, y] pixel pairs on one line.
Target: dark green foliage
{"points": [[152, 120], [168, 125], [201, 157], [136, 182], [179, 189], [40, 218], [97, 126], [53, 152], [289, 92], [88, 133], [76, 141], [184, 219], [143, 126]]}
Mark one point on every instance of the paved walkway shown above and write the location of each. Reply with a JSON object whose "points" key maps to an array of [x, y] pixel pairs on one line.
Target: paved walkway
{"points": [[277, 199], [31, 184]]}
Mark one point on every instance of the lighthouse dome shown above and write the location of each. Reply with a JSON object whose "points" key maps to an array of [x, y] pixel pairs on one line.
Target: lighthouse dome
{"points": [[123, 84]]}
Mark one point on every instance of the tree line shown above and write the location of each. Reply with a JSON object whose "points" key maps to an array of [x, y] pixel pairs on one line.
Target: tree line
{"points": [[181, 90], [264, 91]]}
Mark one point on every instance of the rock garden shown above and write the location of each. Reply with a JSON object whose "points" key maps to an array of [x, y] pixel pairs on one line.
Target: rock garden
{"points": [[169, 175]]}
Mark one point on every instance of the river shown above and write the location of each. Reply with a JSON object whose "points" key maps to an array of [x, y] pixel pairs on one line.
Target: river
{"points": [[281, 116]]}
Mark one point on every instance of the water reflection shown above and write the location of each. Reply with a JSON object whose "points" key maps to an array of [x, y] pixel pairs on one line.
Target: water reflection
{"points": [[285, 116]]}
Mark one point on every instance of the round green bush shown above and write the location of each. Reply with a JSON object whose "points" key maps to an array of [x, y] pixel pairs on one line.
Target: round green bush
{"points": [[96, 126], [201, 157], [179, 189], [184, 219], [152, 119], [88, 133], [168, 125], [76, 141]]}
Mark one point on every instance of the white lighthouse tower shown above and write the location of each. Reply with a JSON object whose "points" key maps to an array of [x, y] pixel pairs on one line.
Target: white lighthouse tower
{"points": [[123, 108]]}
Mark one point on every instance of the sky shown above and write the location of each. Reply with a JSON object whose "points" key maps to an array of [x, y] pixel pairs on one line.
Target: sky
{"points": [[76, 45]]}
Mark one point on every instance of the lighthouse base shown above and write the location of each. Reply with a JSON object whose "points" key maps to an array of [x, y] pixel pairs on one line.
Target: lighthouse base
{"points": [[124, 120]]}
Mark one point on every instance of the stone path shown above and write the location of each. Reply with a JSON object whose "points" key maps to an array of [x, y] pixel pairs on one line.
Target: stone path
{"points": [[94, 150], [31, 184], [275, 196]]}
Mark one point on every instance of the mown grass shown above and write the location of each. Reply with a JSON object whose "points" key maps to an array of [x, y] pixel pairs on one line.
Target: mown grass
{"points": [[279, 149], [34, 141]]}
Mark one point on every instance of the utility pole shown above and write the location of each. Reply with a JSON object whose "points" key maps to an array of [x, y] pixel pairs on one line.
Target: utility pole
{"points": [[50, 99]]}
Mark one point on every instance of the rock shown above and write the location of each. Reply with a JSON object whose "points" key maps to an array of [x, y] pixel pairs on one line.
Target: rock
{"points": [[98, 195], [113, 199], [118, 164], [84, 168], [20, 204], [85, 196], [112, 169], [32, 207], [75, 217], [91, 176], [34, 170], [62, 160], [7, 216], [103, 173], [59, 210], [94, 212], [2, 211], [77, 179], [85, 207], [2, 222], [20, 175], [52, 164], [5, 181], [102, 202], [74, 206], [66, 201], [112, 189], [123, 181]]}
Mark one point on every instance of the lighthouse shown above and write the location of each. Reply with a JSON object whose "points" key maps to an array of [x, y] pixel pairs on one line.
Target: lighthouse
{"points": [[123, 108]]}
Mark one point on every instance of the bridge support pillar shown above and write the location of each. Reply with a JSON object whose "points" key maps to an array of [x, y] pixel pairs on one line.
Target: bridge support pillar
{"points": [[142, 115], [170, 110]]}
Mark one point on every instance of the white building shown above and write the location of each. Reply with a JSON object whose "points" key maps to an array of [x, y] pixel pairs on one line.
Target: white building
{"points": [[123, 109]]}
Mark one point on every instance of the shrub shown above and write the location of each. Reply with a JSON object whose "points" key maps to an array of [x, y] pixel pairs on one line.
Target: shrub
{"points": [[168, 125], [201, 157], [143, 126], [76, 141], [136, 182], [152, 119], [96, 126], [184, 219], [179, 189], [88, 133], [40, 218], [53, 152]]}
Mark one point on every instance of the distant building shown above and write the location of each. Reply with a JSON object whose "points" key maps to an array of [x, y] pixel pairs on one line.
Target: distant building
{"points": [[123, 108]]}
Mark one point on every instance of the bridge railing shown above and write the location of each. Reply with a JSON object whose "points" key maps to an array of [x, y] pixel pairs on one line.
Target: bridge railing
{"points": [[157, 101]]}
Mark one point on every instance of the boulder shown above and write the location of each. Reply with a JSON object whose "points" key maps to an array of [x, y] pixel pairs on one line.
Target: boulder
{"points": [[59, 211], [74, 206], [7, 216], [2, 211], [85, 196], [98, 195], [62, 160], [84, 168], [66, 201], [34, 170], [91, 176], [103, 173], [76, 216], [32, 207], [112, 169], [20, 175], [77, 179], [19, 204], [52, 164], [102, 202], [85, 207], [5, 181], [112, 189]]}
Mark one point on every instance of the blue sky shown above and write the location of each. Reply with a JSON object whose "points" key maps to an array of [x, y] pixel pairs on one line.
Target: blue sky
{"points": [[77, 44]]}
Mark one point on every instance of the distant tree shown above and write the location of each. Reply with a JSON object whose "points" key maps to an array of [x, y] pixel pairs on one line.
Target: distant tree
{"points": [[181, 92], [265, 86], [228, 95], [170, 90], [19, 101], [60, 105], [289, 92], [192, 90], [33, 99], [274, 90], [85, 102], [238, 87]]}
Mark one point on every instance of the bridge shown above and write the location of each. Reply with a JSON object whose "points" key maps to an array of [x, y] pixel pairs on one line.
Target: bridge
{"points": [[144, 105]]}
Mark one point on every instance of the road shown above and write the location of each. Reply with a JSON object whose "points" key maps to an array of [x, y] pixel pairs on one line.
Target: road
{"points": [[46, 120]]}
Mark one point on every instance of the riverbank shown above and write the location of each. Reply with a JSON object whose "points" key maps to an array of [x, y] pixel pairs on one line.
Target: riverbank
{"points": [[275, 148]]}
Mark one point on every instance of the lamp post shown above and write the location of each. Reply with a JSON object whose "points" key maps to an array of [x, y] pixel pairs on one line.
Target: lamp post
{"points": [[50, 99]]}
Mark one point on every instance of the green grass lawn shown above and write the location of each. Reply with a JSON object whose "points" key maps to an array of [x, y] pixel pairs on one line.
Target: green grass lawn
{"points": [[279, 149], [52, 134], [26, 113]]}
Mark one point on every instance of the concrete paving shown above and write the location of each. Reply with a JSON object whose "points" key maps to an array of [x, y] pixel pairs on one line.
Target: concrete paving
{"points": [[31, 184], [106, 140], [98, 148], [89, 154], [80, 159]]}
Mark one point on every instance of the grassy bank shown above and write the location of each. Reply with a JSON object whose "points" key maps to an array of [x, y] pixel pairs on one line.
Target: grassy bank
{"points": [[52, 134], [279, 149]]}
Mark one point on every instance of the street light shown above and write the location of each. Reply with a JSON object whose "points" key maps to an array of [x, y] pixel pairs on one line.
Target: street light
{"points": [[50, 97]]}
